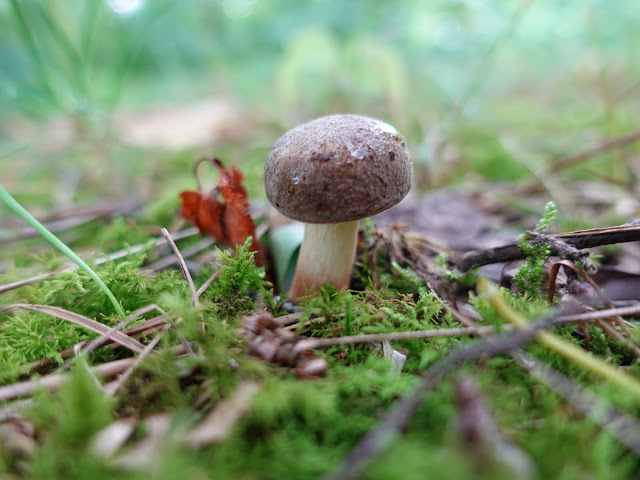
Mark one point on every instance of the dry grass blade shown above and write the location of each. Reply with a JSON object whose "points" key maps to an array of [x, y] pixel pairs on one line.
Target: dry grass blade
{"points": [[103, 339], [208, 282], [97, 327], [218, 424], [183, 265], [27, 281], [145, 328], [130, 318]]}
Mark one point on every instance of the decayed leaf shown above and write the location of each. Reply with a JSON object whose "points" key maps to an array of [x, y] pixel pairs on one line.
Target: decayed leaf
{"points": [[228, 222]]}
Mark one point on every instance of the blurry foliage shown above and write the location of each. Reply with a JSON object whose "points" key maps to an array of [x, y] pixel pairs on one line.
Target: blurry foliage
{"points": [[488, 87]]}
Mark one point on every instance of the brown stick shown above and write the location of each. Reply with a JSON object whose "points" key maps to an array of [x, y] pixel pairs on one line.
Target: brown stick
{"points": [[314, 343], [594, 237]]}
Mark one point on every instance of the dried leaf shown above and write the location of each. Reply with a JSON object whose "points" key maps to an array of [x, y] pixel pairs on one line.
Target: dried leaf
{"points": [[228, 222], [205, 212]]}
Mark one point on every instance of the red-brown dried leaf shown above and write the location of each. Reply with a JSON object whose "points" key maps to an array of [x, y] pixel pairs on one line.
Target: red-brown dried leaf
{"points": [[228, 222], [205, 212]]}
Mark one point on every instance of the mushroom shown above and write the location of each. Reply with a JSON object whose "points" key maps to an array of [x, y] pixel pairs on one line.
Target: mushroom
{"points": [[329, 173]]}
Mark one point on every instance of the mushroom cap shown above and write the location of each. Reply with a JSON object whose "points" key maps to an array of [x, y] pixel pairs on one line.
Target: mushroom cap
{"points": [[337, 168]]}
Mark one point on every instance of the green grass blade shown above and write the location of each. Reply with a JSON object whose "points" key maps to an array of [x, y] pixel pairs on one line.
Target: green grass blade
{"points": [[36, 57], [19, 210]]}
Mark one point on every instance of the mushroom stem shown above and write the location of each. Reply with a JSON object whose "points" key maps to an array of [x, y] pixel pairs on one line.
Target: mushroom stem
{"points": [[326, 256]]}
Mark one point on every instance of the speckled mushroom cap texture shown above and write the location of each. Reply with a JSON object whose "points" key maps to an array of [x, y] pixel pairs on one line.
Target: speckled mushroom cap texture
{"points": [[336, 169]]}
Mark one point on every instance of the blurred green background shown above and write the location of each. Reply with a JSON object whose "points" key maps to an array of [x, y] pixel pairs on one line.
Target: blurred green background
{"points": [[118, 98]]}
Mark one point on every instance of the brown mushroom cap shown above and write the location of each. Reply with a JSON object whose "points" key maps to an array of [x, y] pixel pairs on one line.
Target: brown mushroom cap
{"points": [[336, 169]]}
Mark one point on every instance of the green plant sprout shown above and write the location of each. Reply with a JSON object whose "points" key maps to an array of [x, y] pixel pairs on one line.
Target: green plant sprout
{"points": [[529, 275], [19, 210]]}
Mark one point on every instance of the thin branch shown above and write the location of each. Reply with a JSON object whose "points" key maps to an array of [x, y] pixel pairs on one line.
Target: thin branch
{"points": [[593, 237], [533, 186], [395, 420], [623, 427], [55, 381], [314, 343]]}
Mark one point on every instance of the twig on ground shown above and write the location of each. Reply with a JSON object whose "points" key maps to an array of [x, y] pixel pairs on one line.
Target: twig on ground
{"points": [[377, 440], [594, 237], [625, 428], [590, 152], [207, 283], [55, 381], [314, 343], [394, 421]]}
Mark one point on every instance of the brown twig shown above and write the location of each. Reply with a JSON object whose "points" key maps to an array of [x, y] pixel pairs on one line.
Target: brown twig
{"points": [[594, 237], [54, 381], [624, 427], [314, 343], [394, 421]]}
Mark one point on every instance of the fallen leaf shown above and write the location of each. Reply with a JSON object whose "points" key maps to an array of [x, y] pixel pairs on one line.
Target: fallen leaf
{"points": [[229, 222]]}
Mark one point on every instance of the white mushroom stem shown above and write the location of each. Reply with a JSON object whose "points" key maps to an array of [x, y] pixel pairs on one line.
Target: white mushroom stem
{"points": [[326, 256]]}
